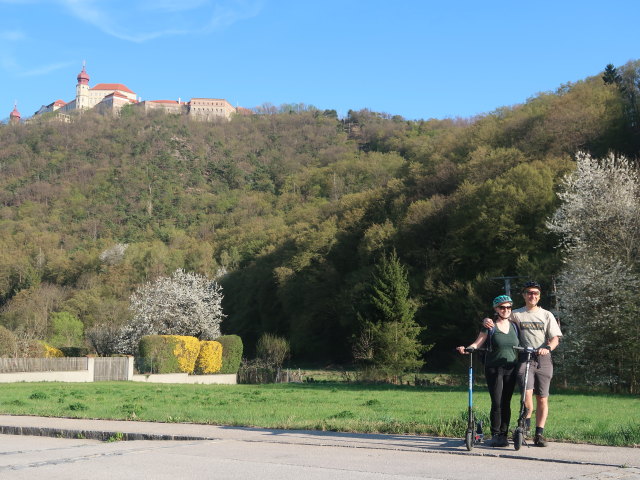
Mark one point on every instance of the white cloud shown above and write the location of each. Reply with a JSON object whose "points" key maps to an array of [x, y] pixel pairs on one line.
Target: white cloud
{"points": [[45, 69], [171, 5], [146, 20]]}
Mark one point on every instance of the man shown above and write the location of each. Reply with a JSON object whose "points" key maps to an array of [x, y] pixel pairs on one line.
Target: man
{"points": [[538, 329]]}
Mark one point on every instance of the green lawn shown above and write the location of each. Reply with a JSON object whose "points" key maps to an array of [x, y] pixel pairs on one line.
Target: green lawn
{"points": [[574, 417]]}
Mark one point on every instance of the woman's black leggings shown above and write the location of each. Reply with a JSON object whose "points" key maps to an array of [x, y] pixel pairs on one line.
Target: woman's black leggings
{"points": [[501, 382]]}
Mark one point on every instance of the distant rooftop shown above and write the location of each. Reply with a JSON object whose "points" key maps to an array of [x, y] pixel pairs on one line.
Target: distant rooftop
{"points": [[112, 86]]}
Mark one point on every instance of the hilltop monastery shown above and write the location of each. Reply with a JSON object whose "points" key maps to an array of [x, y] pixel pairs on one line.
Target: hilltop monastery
{"points": [[109, 98]]}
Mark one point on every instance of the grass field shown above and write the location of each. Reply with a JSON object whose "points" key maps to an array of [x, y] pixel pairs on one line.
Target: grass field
{"points": [[574, 417]]}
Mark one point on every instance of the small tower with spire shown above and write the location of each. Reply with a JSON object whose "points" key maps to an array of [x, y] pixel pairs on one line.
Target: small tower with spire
{"points": [[14, 116], [82, 89]]}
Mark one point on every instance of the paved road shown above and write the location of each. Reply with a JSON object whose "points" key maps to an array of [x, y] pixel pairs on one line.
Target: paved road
{"points": [[201, 451]]}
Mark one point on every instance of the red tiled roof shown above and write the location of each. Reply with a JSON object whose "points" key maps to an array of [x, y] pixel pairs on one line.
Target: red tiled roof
{"points": [[111, 86], [59, 103]]}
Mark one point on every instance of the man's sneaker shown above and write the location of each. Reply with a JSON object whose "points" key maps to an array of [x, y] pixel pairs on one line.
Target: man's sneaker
{"points": [[492, 441], [539, 441], [498, 441]]}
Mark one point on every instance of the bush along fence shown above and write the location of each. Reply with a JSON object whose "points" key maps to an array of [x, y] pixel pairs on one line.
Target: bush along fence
{"points": [[164, 354], [164, 359]]}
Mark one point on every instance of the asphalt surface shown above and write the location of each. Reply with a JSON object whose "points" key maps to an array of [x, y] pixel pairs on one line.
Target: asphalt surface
{"points": [[557, 453]]}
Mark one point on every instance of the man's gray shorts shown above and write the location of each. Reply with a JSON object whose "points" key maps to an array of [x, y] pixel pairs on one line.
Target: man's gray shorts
{"points": [[540, 373]]}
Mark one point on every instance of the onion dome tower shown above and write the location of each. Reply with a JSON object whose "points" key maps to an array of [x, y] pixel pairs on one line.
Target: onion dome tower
{"points": [[82, 89], [14, 116]]}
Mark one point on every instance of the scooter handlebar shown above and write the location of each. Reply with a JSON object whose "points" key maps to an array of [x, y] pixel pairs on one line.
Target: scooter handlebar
{"points": [[525, 349], [472, 350]]}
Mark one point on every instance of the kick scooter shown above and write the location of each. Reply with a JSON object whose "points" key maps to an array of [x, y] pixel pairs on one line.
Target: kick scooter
{"points": [[474, 433], [518, 433]]}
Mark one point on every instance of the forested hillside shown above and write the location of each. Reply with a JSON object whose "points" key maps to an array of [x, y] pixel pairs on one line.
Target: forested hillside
{"points": [[290, 211]]}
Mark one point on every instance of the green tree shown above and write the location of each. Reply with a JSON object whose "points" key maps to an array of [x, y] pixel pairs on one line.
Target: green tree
{"points": [[389, 335], [66, 330], [611, 75]]}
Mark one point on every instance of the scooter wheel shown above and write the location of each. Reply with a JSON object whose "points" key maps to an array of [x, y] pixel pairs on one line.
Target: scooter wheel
{"points": [[517, 438], [468, 440]]}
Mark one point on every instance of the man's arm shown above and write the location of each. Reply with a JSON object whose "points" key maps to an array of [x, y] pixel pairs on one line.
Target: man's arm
{"points": [[551, 344]]}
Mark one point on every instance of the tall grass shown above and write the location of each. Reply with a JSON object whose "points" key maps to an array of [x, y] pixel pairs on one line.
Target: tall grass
{"points": [[575, 417]]}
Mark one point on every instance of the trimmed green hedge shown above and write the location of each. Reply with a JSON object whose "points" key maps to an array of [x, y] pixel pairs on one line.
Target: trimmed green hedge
{"points": [[232, 349], [74, 351], [156, 354]]}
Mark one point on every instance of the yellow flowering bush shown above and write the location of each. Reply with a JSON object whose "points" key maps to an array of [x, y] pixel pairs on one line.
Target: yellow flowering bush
{"points": [[50, 352], [186, 350], [210, 358]]}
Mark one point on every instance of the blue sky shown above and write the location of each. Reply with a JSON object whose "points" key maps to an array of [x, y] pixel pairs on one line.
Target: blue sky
{"points": [[418, 59]]}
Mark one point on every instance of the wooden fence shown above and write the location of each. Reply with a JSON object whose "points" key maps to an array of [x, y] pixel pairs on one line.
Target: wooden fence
{"points": [[111, 368], [63, 364], [66, 369]]}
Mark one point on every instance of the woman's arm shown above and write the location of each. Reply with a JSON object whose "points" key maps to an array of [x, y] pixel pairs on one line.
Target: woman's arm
{"points": [[477, 343]]}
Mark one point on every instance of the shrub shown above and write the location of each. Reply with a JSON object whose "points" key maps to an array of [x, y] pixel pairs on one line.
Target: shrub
{"points": [[210, 357], [156, 355], [51, 352], [186, 351], [256, 371], [232, 349], [168, 353], [8, 343], [272, 350], [31, 349], [74, 351]]}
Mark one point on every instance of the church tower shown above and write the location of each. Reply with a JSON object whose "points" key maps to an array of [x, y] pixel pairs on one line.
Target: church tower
{"points": [[14, 116], [82, 90]]}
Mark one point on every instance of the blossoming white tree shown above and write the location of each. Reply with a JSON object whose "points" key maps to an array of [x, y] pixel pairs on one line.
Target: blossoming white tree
{"points": [[183, 304], [598, 222]]}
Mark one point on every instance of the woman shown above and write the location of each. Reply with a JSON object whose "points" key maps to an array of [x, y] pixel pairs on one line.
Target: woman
{"points": [[500, 367]]}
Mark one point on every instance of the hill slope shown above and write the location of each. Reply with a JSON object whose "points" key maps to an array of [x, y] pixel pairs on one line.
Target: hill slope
{"points": [[294, 209]]}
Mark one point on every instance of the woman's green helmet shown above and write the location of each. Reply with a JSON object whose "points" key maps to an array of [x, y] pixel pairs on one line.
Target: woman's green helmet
{"points": [[501, 299]]}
